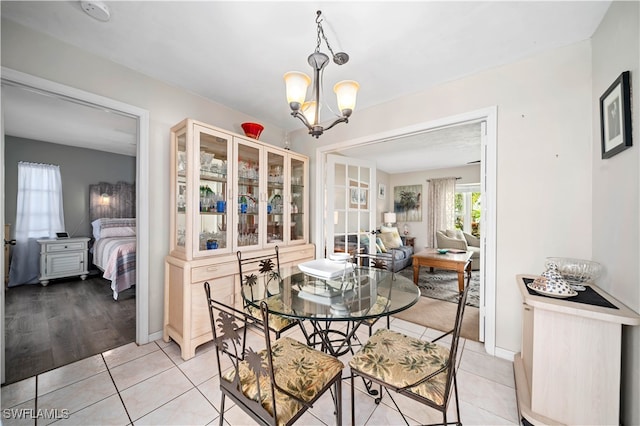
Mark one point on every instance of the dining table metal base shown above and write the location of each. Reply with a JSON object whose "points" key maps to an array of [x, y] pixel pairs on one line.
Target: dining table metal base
{"points": [[337, 343]]}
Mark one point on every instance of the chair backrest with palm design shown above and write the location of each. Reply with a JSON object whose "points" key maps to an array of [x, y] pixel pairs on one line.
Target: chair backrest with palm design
{"points": [[278, 382], [259, 280], [259, 274]]}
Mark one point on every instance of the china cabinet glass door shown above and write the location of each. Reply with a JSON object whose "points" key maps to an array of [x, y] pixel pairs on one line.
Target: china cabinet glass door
{"points": [[248, 170], [298, 227], [275, 198], [181, 205], [213, 220]]}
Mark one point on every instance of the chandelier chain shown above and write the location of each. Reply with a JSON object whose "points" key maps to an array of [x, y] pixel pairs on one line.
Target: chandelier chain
{"points": [[321, 35]]}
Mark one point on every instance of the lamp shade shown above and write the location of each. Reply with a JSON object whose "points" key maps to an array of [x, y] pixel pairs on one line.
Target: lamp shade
{"points": [[389, 217], [297, 84], [309, 111], [346, 92]]}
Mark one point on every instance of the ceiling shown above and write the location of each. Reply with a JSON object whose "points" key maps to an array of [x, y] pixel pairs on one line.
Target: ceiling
{"points": [[236, 52]]}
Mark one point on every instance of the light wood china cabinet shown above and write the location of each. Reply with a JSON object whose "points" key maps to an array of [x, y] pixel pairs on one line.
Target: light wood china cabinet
{"points": [[229, 193]]}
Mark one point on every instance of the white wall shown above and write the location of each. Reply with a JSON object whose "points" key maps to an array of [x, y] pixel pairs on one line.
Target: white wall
{"points": [[39, 55], [616, 188], [543, 159], [467, 174]]}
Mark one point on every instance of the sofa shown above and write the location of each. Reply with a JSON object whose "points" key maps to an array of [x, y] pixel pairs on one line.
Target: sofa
{"points": [[456, 239], [396, 254]]}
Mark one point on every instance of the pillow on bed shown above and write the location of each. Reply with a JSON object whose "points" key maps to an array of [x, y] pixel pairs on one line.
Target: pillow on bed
{"points": [[114, 227]]}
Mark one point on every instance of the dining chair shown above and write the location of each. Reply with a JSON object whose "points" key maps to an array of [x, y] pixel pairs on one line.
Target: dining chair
{"points": [[420, 370], [382, 261], [259, 275], [276, 383]]}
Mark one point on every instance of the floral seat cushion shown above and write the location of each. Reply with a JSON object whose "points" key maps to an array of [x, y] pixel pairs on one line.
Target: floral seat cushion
{"points": [[299, 369], [276, 322], [378, 308], [401, 360]]}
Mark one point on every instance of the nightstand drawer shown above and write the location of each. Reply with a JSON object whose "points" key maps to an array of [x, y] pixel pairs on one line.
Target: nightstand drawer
{"points": [[51, 248]]}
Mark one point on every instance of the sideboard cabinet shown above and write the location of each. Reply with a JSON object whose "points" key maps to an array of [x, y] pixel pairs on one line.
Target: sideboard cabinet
{"points": [[228, 193], [568, 371]]}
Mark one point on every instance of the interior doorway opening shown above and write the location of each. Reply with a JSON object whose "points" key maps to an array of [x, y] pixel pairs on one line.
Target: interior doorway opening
{"points": [[141, 117], [487, 120]]}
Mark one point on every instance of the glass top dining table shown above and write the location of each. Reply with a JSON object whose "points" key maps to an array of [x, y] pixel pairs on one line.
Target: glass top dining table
{"points": [[360, 294]]}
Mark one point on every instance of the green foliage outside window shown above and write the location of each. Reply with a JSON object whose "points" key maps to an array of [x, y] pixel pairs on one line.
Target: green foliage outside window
{"points": [[476, 208]]}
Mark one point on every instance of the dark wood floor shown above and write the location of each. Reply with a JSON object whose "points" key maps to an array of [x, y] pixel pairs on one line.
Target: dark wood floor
{"points": [[66, 321]]}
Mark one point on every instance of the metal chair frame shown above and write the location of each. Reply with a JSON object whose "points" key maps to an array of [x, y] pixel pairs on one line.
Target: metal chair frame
{"points": [[379, 262], [228, 325], [266, 264], [450, 369]]}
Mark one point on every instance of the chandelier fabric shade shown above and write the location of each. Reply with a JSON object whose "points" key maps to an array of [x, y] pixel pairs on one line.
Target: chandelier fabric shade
{"points": [[297, 84], [346, 92]]}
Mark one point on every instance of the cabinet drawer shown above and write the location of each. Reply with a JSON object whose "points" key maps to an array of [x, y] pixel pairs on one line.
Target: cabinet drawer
{"points": [[65, 247], [210, 272], [222, 290]]}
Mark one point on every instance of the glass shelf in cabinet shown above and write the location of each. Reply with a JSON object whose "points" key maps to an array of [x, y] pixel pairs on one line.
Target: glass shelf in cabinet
{"points": [[211, 177], [275, 185], [248, 181]]}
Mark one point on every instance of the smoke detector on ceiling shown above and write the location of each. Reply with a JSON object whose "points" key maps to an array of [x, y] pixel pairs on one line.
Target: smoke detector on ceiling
{"points": [[96, 9]]}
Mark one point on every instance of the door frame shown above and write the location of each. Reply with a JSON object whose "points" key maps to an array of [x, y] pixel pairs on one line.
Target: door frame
{"points": [[142, 188], [489, 202]]}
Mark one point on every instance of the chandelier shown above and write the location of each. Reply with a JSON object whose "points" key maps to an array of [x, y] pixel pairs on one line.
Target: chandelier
{"points": [[297, 83]]}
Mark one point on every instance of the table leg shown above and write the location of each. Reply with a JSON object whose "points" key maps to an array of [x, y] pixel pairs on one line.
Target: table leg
{"points": [[461, 274], [461, 281], [416, 272]]}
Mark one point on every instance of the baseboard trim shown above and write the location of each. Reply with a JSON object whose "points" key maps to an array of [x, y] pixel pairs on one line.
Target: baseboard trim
{"points": [[155, 336], [505, 354]]}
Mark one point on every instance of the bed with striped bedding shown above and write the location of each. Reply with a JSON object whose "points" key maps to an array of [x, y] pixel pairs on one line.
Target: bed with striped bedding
{"points": [[116, 257]]}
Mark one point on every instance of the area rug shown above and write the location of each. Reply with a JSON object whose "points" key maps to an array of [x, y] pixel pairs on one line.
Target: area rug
{"points": [[443, 285], [440, 315]]}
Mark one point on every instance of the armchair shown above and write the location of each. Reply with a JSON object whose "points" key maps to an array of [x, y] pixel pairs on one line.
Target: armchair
{"points": [[456, 239]]}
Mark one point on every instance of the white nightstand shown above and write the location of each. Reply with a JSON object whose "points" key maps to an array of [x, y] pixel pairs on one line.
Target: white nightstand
{"points": [[63, 258]]}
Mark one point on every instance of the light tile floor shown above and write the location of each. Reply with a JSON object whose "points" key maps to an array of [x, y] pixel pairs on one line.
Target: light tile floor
{"points": [[153, 385]]}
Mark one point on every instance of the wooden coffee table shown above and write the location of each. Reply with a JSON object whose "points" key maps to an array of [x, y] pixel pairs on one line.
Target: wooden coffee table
{"points": [[459, 262]]}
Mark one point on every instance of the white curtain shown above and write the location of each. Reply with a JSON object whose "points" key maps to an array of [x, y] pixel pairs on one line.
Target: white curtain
{"points": [[441, 207], [39, 214]]}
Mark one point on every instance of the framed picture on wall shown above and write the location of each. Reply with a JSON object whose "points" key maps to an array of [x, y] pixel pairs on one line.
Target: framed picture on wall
{"points": [[407, 203], [615, 117], [382, 191]]}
